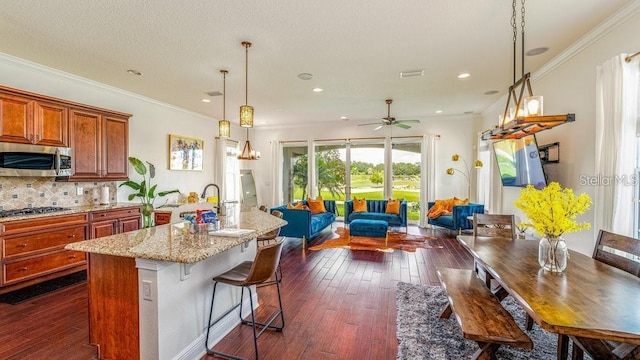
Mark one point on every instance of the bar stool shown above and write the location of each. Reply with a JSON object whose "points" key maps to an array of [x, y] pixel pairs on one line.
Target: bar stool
{"points": [[246, 274], [266, 239]]}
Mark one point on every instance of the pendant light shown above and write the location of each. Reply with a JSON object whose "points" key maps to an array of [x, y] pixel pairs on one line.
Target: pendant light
{"points": [[523, 116], [246, 111], [224, 126]]}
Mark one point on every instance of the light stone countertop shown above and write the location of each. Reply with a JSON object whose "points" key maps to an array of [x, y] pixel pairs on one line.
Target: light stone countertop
{"points": [[72, 210], [166, 242]]}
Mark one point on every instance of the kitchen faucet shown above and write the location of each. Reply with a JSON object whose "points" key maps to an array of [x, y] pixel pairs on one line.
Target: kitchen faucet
{"points": [[204, 193]]}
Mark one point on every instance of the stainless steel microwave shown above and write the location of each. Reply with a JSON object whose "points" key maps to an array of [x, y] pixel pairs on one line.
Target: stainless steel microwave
{"points": [[34, 160]]}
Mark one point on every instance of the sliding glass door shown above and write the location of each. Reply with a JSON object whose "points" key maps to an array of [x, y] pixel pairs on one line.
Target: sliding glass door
{"points": [[330, 172], [295, 171], [406, 157]]}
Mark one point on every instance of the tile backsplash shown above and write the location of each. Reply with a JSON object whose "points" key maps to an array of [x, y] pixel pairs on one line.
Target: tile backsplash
{"points": [[21, 192]]}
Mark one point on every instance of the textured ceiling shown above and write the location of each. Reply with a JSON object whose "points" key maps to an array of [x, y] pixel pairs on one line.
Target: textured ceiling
{"points": [[355, 50]]}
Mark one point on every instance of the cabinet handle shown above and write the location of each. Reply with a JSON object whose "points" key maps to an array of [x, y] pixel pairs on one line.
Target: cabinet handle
{"points": [[103, 215], [24, 268], [72, 257], [72, 236], [23, 245]]}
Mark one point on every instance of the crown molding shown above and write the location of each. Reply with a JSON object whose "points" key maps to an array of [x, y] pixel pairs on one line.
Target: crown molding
{"points": [[65, 75], [618, 18]]}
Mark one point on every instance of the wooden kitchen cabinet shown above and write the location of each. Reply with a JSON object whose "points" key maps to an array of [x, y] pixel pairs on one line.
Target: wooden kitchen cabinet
{"points": [[161, 217], [33, 249], [100, 146], [30, 121], [117, 221]]}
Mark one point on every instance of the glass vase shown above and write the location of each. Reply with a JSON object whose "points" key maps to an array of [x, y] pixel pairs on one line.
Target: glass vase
{"points": [[147, 215], [552, 254]]}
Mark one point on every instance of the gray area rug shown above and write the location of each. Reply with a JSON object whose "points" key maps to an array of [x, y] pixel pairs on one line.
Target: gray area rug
{"points": [[422, 334]]}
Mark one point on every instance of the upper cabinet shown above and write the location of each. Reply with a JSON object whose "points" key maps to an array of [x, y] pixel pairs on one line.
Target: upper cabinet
{"points": [[100, 146], [30, 121], [99, 138]]}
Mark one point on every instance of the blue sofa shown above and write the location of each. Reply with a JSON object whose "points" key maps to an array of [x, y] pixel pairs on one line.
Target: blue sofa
{"points": [[301, 224], [376, 211], [458, 220]]}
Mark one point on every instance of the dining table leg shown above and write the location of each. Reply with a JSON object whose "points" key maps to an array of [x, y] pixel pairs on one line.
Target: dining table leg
{"points": [[563, 347]]}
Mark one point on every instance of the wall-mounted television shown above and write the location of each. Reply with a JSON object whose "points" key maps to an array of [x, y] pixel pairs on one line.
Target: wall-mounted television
{"points": [[519, 162]]}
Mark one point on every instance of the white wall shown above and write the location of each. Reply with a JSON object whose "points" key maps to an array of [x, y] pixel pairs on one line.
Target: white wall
{"points": [[456, 136], [569, 87], [149, 127]]}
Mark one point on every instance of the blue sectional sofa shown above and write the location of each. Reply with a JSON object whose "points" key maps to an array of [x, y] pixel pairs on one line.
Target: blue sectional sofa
{"points": [[458, 220], [301, 224], [376, 211]]}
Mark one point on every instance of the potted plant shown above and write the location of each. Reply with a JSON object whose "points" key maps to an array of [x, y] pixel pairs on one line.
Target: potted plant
{"points": [[145, 191]]}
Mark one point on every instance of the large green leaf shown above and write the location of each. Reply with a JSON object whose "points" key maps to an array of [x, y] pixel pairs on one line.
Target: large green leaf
{"points": [[165, 193], [138, 165], [132, 184], [152, 191]]}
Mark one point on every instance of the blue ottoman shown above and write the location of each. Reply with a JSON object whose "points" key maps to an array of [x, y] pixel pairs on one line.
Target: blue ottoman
{"points": [[370, 228]]}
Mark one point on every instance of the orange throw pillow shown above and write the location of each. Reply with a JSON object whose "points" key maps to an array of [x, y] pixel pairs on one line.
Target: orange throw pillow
{"points": [[297, 206], [393, 206], [316, 205], [359, 205]]}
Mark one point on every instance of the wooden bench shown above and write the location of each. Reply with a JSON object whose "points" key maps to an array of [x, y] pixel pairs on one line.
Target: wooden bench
{"points": [[479, 313]]}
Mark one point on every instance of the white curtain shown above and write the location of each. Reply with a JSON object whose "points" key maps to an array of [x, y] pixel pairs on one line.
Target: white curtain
{"points": [[616, 118], [428, 174], [276, 176]]}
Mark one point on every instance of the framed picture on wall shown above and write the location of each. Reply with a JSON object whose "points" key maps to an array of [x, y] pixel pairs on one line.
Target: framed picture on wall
{"points": [[185, 153]]}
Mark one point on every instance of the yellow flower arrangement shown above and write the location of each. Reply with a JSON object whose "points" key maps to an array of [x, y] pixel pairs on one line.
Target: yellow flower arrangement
{"points": [[552, 211]]}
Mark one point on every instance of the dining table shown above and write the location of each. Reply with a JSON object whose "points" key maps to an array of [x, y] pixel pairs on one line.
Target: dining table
{"points": [[589, 302]]}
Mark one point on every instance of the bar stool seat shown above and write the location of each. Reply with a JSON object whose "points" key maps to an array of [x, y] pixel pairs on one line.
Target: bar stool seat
{"points": [[245, 275]]}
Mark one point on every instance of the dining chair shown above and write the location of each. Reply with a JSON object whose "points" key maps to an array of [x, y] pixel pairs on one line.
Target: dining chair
{"points": [[246, 275], [613, 249], [494, 225]]}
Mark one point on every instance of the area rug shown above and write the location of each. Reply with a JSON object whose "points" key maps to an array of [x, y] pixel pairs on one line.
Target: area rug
{"points": [[45, 287], [396, 241], [422, 334]]}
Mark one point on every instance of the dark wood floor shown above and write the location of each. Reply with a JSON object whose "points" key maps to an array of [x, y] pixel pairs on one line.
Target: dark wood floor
{"points": [[338, 304]]}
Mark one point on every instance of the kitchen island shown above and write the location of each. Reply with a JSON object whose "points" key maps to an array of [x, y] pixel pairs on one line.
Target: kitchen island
{"points": [[150, 290]]}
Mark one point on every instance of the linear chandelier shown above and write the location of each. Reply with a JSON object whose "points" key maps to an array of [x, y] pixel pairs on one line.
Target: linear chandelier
{"points": [[523, 116]]}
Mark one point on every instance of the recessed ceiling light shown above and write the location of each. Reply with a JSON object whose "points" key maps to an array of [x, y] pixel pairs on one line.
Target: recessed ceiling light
{"points": [[206, 100], [463, 75], [537, 51], [404, 74], [305, 76], [317, 89], [344, 118], [214, 93], [491, 92], [438, 111]]}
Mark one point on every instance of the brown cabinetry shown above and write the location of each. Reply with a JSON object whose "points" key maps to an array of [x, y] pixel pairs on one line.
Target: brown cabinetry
{"points": [[99, 138], [30, 121], [100, 146], [33, 249], [110, 222], [161, 217]]}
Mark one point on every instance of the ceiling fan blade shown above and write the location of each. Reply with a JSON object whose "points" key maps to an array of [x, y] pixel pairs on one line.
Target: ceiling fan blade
{"points": [[408, 121], [378, 128], [401, 125], [375, 123]]}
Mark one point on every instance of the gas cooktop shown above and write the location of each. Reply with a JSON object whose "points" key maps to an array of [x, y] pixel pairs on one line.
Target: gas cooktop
{"points": [[31, 211]]}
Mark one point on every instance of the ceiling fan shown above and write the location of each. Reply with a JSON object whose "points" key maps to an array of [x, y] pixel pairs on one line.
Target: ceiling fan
{"points": [[391, 120]]}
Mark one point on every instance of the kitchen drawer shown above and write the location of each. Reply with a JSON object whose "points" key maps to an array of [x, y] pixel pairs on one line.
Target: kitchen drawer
{"points": [[114, 214], [19, 227], [161, 218], [24, 245], [40, 265]]}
